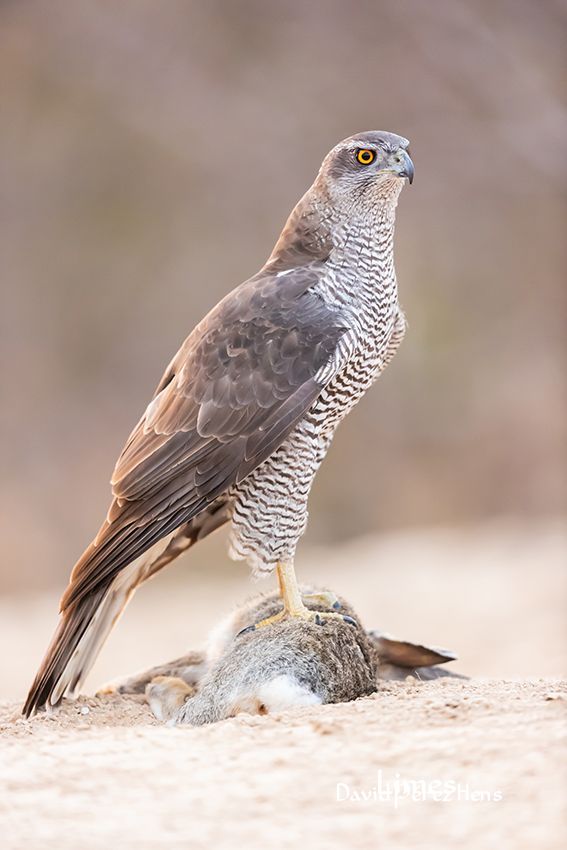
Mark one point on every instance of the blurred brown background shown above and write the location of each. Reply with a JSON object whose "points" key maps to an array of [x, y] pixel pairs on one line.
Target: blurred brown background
{"points": [[150, 153]]}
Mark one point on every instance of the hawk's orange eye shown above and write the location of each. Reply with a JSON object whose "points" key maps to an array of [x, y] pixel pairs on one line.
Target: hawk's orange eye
{"points": [[365, 156]]}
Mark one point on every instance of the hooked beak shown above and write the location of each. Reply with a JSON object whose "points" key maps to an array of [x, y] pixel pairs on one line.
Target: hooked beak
{"points": [[400, 163]]}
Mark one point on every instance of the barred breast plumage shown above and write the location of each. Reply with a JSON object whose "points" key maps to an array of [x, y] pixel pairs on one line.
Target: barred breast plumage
{"points": [[269, 508], [246, 410]]}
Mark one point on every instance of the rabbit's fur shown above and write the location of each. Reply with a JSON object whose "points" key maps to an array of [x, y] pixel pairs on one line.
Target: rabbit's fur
{"points": [[287, 664]]}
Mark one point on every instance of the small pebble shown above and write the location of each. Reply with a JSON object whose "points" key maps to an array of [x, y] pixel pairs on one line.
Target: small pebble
{"points": [[85, 710]]}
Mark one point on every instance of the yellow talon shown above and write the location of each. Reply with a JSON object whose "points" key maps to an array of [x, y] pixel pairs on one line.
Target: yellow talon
{"points": [[294, 605]]}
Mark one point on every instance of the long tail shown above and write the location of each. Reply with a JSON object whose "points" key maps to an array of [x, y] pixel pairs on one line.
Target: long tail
{"points": [[86, 623], [82, 630]]}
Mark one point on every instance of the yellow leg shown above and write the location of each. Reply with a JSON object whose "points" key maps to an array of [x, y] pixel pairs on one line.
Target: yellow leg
{"points": [[293, 604], [289, 591], [326, 598]]}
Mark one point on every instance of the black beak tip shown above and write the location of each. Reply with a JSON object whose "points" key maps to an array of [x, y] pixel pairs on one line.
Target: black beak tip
{"points": [[408, 170]]}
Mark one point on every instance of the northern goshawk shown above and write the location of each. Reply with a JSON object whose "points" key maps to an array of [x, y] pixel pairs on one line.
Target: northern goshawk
{"points": [[247, 408]]}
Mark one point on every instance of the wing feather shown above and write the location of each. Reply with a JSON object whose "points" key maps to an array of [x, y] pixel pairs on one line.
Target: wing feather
{"points": [[239, 384]]}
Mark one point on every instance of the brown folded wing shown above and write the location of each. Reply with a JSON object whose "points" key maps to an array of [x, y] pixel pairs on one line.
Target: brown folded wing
{"points": [[237, 387]]}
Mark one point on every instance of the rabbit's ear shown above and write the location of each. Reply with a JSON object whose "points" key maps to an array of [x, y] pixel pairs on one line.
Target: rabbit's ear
{"points": [[403, 653]]}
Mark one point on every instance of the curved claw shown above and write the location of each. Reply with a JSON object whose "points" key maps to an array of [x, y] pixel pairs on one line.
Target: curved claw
{"points": [[325, 598], [246, 629], [320, 619]]}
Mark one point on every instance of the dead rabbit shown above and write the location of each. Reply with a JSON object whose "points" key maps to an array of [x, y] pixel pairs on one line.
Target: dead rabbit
{"points": [[283, 665]]}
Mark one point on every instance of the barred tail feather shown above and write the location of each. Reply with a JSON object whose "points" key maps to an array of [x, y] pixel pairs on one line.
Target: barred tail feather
{"points": [[87, 619], [79, 637]]}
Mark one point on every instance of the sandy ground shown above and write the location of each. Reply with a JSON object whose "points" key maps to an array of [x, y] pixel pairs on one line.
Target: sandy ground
{"points": [[102, 772], [113, 778]]}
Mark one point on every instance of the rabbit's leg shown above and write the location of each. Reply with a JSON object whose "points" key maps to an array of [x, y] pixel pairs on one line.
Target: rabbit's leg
{"points": [[172, 701], [166, 695], [190, 668]]}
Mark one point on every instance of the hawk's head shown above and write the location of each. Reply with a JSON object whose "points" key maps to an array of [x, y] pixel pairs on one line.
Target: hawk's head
{"points": [[370, 165], [359, 181]]}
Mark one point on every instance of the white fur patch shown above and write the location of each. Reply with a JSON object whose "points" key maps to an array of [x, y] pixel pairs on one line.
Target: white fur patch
{"points": [[284, 692]]}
